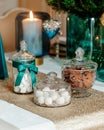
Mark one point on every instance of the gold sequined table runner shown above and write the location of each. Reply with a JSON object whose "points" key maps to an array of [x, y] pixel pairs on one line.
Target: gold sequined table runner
{"points": [[82, 114]]}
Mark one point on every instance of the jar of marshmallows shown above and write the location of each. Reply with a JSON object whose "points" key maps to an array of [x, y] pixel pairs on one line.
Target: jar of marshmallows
{"points": [[52, 92], [24, 70], [80, 73]]}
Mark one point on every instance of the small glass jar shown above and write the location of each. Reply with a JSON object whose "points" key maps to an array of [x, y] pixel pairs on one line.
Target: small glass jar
{"points": [[52, 92], [80, 73], [24, 70]]}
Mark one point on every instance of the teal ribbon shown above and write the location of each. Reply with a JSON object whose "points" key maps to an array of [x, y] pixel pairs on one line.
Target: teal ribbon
{"points": [[21, 71]]}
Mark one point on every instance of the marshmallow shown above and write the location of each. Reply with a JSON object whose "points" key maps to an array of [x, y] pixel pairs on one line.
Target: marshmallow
{"points": [[23, 90], [60, 101], [46, 94], [54, 95], [64, 93], [16, 89], [48, 101], [38, 93], [67, 99], [40, 100], [46, 89]]}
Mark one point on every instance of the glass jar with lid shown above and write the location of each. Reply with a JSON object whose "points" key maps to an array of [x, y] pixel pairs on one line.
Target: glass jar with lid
{"points": [[52, 92], [80, 73], [24, 70]]}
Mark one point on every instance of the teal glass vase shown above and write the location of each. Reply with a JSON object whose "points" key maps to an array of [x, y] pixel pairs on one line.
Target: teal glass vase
{"points": [[98, 51], [79, 35], [3, 66], [87, 33]]}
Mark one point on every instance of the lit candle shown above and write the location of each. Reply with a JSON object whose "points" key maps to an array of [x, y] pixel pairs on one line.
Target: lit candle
{"points": [[32, 34]]}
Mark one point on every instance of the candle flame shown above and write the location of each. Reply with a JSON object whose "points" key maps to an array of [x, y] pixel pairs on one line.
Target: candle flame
{"points": [[31, 15]]}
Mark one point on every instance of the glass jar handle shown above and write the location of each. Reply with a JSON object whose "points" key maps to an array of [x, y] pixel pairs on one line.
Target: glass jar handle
{"points": [[79, 54]]}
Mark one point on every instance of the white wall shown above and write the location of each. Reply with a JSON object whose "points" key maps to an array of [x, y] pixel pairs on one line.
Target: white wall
{"points": [[6, 5]]}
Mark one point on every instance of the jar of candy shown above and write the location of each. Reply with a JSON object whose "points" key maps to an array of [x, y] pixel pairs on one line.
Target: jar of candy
{"points": [[52, 92], [80, 73], [24, 70]]}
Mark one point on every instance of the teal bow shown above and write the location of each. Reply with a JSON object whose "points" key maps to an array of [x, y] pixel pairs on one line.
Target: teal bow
{"points": [[21, 71]]}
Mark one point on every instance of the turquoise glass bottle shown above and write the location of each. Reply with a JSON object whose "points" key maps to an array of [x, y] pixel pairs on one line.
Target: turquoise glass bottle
{"points": [[3, 66]]}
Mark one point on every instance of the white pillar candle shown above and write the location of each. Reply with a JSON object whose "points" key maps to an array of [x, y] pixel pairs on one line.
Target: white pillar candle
{"points": [[32, 34]]}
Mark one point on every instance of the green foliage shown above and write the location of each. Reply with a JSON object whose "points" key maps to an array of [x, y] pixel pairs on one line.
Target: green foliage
{"points": [[83, 8]]}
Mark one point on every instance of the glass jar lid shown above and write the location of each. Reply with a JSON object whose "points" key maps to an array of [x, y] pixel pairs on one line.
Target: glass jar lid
{"points": [[52, 83], [23, 55], [79, 61]]}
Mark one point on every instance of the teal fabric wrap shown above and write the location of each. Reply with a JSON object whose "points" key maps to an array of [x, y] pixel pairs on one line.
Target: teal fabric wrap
{"points": [[21, 67]]}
